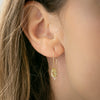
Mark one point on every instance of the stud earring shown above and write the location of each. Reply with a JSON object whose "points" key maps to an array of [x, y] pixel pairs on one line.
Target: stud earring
{"points": [[54, 70]]}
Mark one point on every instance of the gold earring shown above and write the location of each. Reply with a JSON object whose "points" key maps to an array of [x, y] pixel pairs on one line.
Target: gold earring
{"points": [[54, 70]]}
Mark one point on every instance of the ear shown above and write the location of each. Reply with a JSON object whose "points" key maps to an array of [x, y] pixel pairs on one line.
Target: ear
{"points": [[37, 29]]}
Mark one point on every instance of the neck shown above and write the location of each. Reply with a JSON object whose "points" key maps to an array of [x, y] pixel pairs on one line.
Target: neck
{"points": [[61, 86]]}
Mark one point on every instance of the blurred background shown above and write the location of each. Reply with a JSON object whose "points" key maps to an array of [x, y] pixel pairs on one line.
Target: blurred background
{"points": [[1, 2]]}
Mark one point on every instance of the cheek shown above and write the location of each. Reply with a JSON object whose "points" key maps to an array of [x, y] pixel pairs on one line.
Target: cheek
{"points": [[82, 48]]}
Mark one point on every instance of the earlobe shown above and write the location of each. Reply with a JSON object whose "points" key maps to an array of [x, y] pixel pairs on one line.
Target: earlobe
{"points": [[37, 31]]}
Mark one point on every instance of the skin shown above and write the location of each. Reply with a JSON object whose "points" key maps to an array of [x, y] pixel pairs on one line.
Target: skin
{"points": [[73, 36]]}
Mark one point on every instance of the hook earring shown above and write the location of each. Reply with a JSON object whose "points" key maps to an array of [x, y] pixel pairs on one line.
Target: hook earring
{"points": [[54, 70]]}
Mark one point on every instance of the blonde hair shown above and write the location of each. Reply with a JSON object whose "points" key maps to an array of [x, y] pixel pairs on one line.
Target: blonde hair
{"points": [[14, 66]]}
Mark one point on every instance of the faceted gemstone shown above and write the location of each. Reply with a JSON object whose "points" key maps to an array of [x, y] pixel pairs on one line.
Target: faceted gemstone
{"points": [[53, 73]]}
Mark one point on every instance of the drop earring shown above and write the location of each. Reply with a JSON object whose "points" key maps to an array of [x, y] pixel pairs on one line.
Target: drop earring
{"points": [[54, 70]]}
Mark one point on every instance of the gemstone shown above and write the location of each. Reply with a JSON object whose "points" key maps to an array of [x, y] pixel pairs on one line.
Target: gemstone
{"points": [[53, 73]]}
